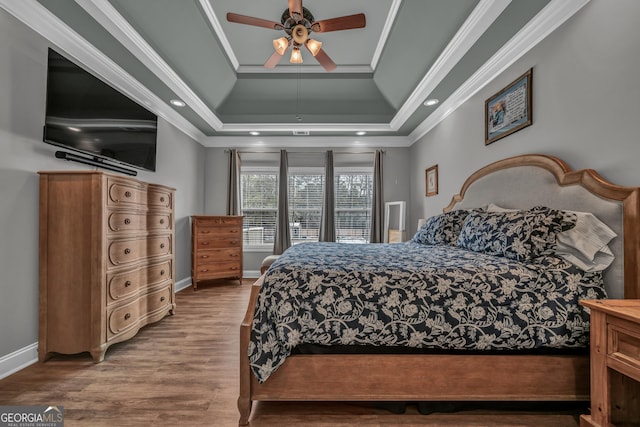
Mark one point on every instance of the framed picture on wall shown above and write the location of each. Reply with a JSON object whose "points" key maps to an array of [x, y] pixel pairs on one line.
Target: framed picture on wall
{"points": [[509, 110], [431, 177]]}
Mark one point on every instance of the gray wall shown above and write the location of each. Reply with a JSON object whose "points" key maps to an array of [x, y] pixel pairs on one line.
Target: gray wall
{"points": [[23, 62], [585, 108], [396, 185]]}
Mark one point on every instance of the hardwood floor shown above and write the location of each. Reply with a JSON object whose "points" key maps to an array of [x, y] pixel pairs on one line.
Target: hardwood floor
{"points": [[184, 371]]}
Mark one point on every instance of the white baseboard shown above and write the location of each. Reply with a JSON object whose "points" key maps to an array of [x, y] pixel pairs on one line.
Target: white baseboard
{"points": [[251, 274], [19, 359], [182, 284]]}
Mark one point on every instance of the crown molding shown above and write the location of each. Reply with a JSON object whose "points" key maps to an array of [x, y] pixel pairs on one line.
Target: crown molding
{"points": [[107, 16], [311, 127], [474, 26], [543, 24], [388, 25], [49, 26], [307, 69], [217, 27], [306, 141]]}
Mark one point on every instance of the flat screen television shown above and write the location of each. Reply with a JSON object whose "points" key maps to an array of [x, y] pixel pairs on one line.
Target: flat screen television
{"points": [[86, 115]]}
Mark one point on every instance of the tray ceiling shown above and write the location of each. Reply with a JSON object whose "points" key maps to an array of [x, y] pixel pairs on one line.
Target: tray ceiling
{"points": [[409, 51]]}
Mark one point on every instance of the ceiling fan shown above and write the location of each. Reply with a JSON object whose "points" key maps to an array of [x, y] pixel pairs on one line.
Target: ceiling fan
{"points": [[298, 23]]}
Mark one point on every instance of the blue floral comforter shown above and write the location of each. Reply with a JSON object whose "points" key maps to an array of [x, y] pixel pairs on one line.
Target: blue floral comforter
{"points": [[415, 295]]}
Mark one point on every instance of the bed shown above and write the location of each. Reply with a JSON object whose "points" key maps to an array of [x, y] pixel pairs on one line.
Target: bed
{"points": [[477, 369]]}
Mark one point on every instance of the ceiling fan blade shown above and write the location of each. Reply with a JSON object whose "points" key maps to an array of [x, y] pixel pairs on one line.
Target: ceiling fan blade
{"points": [[348, 22], [295, 9], [324, 60], [257, 22], [273, 60]]}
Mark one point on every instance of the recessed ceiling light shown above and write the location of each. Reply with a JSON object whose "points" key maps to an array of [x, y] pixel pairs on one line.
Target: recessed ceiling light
{"points": [[430, 102], [254, 133], [177, 103], [361, 132]]}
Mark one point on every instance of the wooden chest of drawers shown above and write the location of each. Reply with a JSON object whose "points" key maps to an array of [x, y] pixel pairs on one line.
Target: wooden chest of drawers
{"points": [[615, 363], [106, 260], [216, 248]]}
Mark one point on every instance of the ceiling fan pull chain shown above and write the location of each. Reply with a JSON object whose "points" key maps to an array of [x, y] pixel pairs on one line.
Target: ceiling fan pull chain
{"points": [[298, 117]]}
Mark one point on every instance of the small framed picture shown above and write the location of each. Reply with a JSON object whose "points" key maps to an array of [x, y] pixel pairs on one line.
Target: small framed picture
{"points": [[509, 110], [431, 176]]}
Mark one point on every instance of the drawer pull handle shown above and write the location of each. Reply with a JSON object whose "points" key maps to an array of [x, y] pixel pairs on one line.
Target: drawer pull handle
{"points": [[127, 316], [162, 221], [234, 255], [205, 243], [127, 283], [161, 245], [234, 242], [127, 251], [234, 231], [205, 256], [162, 272], [127, 221], [205, 232], [161, 299], [127, 194], [162, 199]]}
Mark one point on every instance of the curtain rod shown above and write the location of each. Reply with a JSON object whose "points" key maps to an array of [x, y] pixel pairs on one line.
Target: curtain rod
{"points": [[302, 152]]}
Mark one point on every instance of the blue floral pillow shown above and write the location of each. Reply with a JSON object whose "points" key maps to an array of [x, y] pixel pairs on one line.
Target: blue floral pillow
{"points": [[442, 229], [521, 236]]}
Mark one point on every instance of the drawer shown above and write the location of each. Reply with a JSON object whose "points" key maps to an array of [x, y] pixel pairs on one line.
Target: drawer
{"points": [[132, 250], [127, 284], [208, 232], [135, 221], [623, 347], [159, 199], [213, 256], [218, 242], [123, 318], [125, 193], [216, 221], [218, 270]]}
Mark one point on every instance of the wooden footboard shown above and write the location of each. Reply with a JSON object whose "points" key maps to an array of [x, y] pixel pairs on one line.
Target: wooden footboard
{"points": [[411, 377]]}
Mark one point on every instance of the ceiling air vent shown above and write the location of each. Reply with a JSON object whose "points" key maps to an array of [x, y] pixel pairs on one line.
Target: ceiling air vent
{"points": [[301, 132]]}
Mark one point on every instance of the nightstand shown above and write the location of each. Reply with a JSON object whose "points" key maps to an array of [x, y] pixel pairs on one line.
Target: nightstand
{"points": [[615, 363]]}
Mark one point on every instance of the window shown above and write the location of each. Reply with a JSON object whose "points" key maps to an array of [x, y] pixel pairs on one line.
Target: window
{"points": [[305, 203], [259, 203], [354, 191]]}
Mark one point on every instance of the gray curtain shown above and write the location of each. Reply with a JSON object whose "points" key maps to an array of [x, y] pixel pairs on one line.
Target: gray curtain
{"points": [[282, 239], [233, 183], [328, 218], [377, 201]]}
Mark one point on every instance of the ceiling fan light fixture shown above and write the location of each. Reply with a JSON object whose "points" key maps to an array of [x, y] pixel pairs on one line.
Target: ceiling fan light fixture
{"points": [[300, 34], [280, 45], [314, 46], [296, 56]]}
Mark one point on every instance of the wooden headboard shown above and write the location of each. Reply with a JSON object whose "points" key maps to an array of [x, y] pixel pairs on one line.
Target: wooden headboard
{"points": [[534, 179]]}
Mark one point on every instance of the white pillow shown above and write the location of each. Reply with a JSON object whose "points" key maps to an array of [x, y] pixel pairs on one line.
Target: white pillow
{"points": [[586, 244], [492, 207]]}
